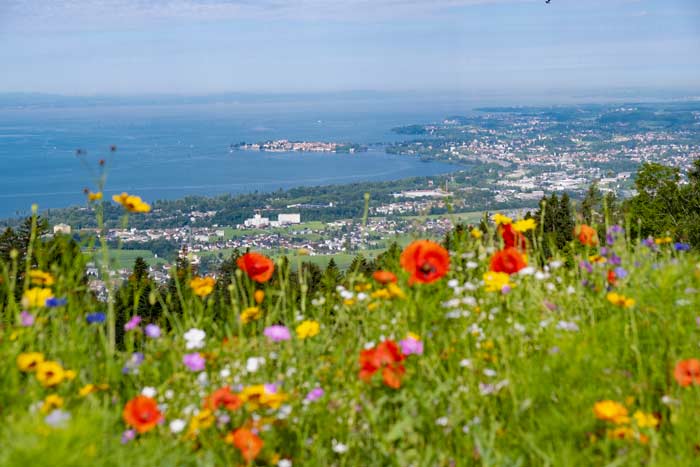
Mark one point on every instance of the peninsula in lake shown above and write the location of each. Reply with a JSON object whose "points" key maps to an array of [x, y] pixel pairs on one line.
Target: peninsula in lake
{"points": [[283, 145]]}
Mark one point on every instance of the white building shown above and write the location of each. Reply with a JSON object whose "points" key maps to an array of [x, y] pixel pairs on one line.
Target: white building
{"points": [[257, 221], [61, 229], [284, 219]]}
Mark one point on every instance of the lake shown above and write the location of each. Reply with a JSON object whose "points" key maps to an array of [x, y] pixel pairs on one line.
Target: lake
{"points": [[167, 152]]}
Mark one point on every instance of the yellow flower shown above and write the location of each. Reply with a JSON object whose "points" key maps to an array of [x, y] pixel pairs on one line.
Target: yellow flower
{"points": [[70, 375], [52, 401], [94, 196], [92, 388], [29, 361], [252, 313], [381, 293], [203, 420], [202, 286], [645, 420], [131, 203], [36, 297], [349, 302], [50, 373], [524, 225], [307, 329], [621, 432], [257, 396], [395, 291], [41, 278], [372, 306], [500, 219], [495, 281], [620, 300], [597, 259], [412, 335], [476, 233], [662, 240], [363, 287], [611, 411]]}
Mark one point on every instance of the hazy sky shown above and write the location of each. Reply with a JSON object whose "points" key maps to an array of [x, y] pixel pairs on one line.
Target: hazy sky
{"points": [[209, 46]]}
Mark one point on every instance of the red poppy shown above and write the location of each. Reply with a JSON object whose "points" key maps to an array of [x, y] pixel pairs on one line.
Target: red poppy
{"points": [[142, 413], [587, 235], [612, 277], [511, 238], [258, 267], [386, 356], [688, 372], [384, 277], [508, 260], [248, 443], [425, 261], [223, 397]]}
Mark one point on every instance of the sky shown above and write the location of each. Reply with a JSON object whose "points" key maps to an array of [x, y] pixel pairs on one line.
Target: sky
{"points": [[132, 47]]}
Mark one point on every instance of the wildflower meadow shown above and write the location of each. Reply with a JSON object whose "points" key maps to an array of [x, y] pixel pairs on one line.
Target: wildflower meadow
{"points": [[487, 349]]}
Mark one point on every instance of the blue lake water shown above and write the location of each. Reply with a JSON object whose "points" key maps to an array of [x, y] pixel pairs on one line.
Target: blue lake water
{"points": [[167, 152]]}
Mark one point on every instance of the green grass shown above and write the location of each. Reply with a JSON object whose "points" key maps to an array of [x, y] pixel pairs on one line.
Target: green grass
{"points": [[505, 379]]}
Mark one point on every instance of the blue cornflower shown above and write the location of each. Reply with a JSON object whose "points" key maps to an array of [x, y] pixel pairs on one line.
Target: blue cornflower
{"points": [[98, 317], [54, 302], [679, 246]]}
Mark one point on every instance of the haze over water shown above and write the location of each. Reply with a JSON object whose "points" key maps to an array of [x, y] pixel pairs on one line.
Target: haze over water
{"points": [[171, 151]]}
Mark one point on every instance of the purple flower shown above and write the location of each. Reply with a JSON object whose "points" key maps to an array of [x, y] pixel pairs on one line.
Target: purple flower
{"points": [[26, 318], [615, 260], [505, 289], [411, 346], [603, 251], [270, 388], [194, 361], [586, 265], [54, 302], [277, 333], [98, 317], [649, 242], [128, 435], [134, 362], [616, 228], [132, 323], [315, 394], [152, 331], [620, 272]]}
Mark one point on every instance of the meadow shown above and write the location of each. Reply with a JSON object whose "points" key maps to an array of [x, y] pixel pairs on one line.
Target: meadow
{"points": [[486, 353]]}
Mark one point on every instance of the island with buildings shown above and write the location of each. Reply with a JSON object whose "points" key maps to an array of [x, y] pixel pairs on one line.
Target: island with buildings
{"points": [[283, 145]]}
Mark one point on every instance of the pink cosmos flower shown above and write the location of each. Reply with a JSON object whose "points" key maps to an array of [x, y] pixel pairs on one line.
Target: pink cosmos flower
{"points": [[132, 323], [194, 361], [277, 333], [411, 346]]}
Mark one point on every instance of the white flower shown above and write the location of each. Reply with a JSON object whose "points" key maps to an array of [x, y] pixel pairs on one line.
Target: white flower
{"points": [[284, 463], [555, 264], [169, 394], [149, 391], [540, 276], [203, 379], [194, 338], [549, 286], [571, 290], [346, 294], [465, 363], [452, 283], [369, 345], [362, 296], [519, 328], [225, 372], [442, 421], [489, 372], [471, 265], [453, 314], [527, 271], [284, 412], [177, 425], [253, 364], [567, 326], [339, 447], [453, 303], [469, 301]]}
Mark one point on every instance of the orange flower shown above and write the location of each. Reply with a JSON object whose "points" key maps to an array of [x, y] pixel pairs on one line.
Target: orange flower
{"points": [[386, 356], [384, 277], [508, 260], [258, 267], [142, 414], [612, 277], [223, 397], [259, 296], [688, 372], [248, 443], [587, 235], [426, 261]]}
